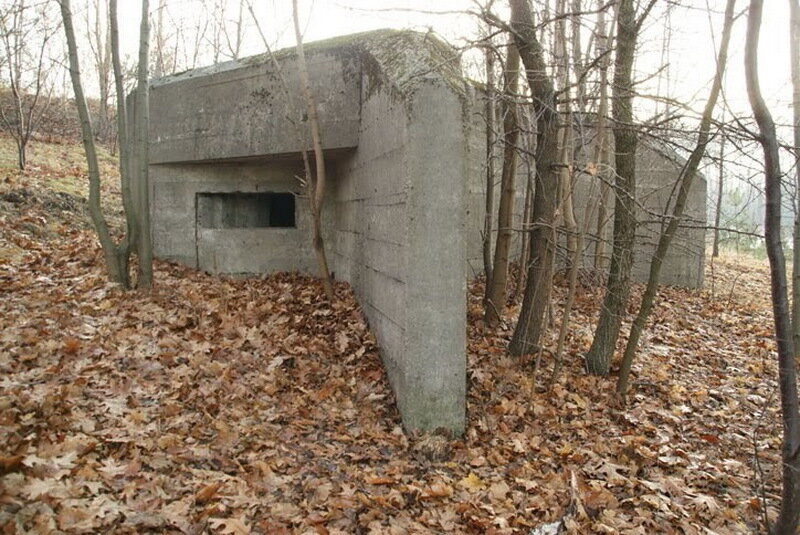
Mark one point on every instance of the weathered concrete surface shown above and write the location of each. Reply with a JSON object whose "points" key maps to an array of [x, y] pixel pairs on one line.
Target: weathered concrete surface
{"points": [[405, 149], [657, 170], [241, 109], [400, 241], [394, 219], [436, 299], [400, 233], [177, 235], [685, 262]]}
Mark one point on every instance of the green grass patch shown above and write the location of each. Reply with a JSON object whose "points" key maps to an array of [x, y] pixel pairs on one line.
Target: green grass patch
{"points": [[60, 167]]}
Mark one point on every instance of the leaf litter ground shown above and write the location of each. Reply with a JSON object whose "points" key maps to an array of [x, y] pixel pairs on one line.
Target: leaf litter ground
{"points": [[249, 406]]}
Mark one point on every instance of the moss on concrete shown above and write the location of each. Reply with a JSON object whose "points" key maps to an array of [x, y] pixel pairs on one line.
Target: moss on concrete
{"points": [[400, 58]]}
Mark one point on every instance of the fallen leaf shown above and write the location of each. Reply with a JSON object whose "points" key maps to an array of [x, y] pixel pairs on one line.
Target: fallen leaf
{"points": [[380, 481], [438, 490], [208, 492], [11, 464], [472, 482], [71, 346], [229, 526]]}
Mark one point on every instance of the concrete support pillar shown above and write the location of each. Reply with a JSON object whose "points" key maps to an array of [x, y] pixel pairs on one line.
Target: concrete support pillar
{"points": [[434, 389]]}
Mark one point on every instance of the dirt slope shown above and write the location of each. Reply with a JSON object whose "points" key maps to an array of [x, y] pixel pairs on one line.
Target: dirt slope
{"points": [[247, 406]]}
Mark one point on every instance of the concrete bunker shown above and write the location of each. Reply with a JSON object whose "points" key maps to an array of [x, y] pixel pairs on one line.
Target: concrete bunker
{"points": [[404, 145]]}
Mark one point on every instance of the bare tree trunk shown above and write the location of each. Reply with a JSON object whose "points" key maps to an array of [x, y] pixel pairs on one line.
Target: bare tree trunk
{"points": [[12, 37], [22, 156], [664, 73], [789, 517], [144, 240], [685, 180], [131, 217], [601, 156], [239, 31], [317, 186], [100, 45], [794, 7], [105, 80], [491, 122], [297, 131], [573, 283], [16, 30], [117, 256], [718, 210], [160, 62], [524, 255], [235, 44], [115, 264], [217, 23], [540, 270], [577, 57], [575, 248], [598, 359], [566, 210], [496, 292], [787, 369]]}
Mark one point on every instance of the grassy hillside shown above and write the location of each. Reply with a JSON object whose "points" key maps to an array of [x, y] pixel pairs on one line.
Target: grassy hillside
{"points": [[59, 167], [53, 191]]}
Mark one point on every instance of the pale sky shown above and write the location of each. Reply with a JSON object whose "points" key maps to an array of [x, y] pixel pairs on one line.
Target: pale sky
{"points": [[692, 44]]}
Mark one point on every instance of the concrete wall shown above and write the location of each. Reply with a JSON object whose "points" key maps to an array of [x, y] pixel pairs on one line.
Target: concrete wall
{"points": [[399, 239], [436, 299], [685, 261], [178, 237], [239, 118], [395, 221], [657, 170], [242, 109]]}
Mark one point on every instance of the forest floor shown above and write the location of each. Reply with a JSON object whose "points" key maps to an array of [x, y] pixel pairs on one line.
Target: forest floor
{"points": [[250, 406]]}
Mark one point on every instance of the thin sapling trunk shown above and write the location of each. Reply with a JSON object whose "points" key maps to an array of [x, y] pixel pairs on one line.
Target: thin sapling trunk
{"points": [[317, 183], [685, 180], [598, 359], [789, 517], [496, 291], [532, 316]]}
